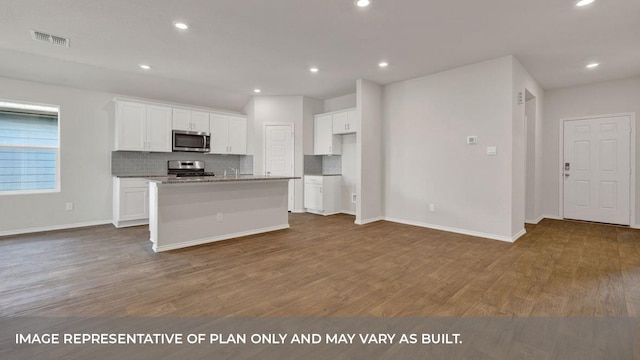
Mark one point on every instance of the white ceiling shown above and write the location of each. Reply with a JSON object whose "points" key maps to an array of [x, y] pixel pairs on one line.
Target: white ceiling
{"points": [[234, 46]]}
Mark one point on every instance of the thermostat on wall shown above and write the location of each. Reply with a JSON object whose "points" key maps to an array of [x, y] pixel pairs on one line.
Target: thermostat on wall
{"points": [[471, 140]]}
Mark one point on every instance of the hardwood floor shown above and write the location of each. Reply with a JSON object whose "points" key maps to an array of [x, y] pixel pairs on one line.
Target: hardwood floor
{"points": [[326, 266]]}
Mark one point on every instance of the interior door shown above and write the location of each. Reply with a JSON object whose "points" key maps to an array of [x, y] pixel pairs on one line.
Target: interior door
{"points": [[278, 150], [597, 170]]}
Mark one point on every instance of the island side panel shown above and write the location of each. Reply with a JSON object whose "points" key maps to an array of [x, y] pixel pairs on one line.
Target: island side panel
{"points": [[187, 214]]}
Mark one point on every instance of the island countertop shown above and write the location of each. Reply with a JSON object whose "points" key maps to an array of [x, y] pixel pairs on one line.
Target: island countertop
{"points": [[215, 179]]}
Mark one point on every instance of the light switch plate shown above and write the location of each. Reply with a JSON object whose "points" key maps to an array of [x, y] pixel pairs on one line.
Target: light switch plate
{"points": [[492, 150], [472, 140]]}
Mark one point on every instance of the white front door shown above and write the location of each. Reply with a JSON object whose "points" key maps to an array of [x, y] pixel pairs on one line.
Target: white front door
{"points": [[596, 169], [278, 150]]}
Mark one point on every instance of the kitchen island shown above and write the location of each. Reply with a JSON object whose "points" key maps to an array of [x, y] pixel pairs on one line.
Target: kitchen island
{"points": [[198, 210]]}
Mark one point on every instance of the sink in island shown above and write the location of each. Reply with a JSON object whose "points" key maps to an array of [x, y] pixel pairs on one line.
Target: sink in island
{"points": [[198, 210]]}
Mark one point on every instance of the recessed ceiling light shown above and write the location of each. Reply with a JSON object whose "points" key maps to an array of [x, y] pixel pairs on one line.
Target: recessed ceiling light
{"points": [[314, 69], [584, 2], [145, 67], [257, 91], [180, 25], [363, 3], [383, 64], [592, 65]]}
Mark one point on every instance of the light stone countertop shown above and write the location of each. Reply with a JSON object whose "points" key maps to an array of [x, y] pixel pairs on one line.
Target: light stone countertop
{"points": [[214, 179]]}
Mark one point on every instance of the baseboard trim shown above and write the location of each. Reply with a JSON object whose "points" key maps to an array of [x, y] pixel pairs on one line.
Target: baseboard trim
{"points": [[53, 228], [552, 217], [130, 223], [298, 211], [217, 238], [456, 230], [518, 235], [534, 222], [348, 212], [370, 220]]}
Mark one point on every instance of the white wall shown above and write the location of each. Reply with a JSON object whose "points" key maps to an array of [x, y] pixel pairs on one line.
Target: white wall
{"points": [[523, 82], [532, 198], [282, 109], [369, 164], [340, 103], [85, 161], [349, 178], [310, 107], [348, 157], [425, 125], [594, 99]]}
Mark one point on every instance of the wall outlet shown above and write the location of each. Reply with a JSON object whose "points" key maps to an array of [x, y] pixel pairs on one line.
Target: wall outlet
{"points": [[432, 207], [219, 217], [69, 206], [353, 198]]}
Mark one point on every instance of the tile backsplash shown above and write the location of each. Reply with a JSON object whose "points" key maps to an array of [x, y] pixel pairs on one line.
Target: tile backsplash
{"points": [[313, 165], [331, 165], [322, 164], [147, 163]]}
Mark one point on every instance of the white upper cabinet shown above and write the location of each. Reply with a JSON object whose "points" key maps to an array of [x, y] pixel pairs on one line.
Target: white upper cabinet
{"points": [[345, 122], [219, 125], [324, 141], [200, 121], [159, 128], [228, 134], [142, 127], [188, 120], [237, 135], [131, 126]]}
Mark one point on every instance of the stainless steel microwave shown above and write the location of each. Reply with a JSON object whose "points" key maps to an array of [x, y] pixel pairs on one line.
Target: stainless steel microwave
{"points": [[193, 141]]}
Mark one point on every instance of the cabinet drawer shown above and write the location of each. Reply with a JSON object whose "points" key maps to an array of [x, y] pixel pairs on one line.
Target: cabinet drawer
{"points": [[133, 182], [312, 179]]}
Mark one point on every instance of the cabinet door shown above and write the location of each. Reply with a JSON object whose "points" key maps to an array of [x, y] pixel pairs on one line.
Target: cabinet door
{"points": [[313, 196], [199, 121], [237, 135], [340, 123], [131, 126], [322, 135], [134, 203], [182, 119], [159, 128], [352, 121], [219, 126]]}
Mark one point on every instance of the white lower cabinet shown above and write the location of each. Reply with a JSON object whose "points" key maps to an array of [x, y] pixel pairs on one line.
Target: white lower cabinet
{"points": [[130, 202], [323, 194]]}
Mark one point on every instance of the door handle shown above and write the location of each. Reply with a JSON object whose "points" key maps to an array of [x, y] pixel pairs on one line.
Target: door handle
{"points": [[566, 175]]}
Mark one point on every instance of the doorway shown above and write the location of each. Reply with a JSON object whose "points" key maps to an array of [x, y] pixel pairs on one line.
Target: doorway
{"points": [[278, 153], [596, 169]]}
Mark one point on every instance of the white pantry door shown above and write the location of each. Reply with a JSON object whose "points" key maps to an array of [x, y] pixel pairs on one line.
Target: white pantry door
{"points": [[596, 169], [278, 150]]}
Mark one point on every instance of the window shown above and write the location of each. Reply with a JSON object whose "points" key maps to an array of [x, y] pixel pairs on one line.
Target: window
{"points": [[29, 148]]}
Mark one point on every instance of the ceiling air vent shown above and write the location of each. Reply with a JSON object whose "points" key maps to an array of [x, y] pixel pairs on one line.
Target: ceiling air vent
{"points": [[51, 39]]}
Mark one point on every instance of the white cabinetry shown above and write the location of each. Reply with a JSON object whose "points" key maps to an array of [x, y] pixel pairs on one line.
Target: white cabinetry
{"points": [[345, 122], [189, 120], [142, 127], [228, 134], [324, 141], [130, 202], [323, 194]]}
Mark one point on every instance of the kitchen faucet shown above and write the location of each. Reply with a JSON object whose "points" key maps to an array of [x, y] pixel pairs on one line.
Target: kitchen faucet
{"points": [[232, 169]]}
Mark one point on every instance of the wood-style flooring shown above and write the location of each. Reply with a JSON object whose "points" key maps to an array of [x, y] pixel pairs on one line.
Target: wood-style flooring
{"points": [[326, 266]]}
